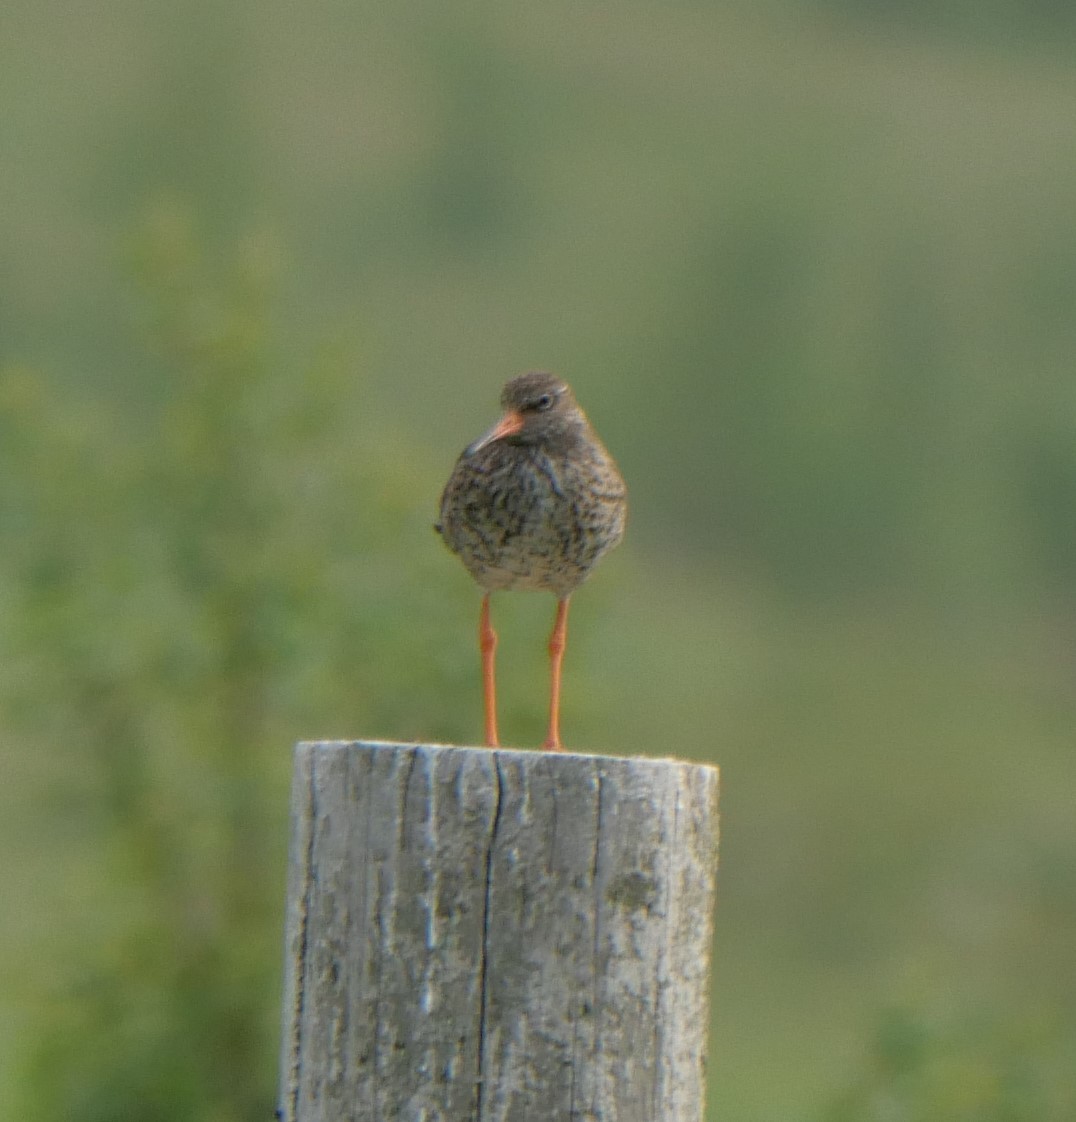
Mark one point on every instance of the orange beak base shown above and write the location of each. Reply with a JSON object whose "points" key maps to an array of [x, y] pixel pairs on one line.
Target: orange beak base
{"points": [[508, 425]]}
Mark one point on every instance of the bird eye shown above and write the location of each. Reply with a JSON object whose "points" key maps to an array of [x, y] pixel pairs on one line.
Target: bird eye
{"points": [[544, 402]]}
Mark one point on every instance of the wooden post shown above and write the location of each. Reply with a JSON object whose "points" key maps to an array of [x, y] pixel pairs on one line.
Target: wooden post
{"points": [[479, 935]]}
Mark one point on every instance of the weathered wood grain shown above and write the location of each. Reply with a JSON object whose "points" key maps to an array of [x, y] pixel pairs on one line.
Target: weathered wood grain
{"points": [[481, 935]]}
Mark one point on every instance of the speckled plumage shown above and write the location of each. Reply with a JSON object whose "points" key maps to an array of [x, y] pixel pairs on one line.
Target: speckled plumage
{"points": [[533, 504], [537, 508]]}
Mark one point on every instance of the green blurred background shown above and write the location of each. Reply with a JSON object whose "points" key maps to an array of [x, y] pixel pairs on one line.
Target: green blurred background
{"points": [[811, 268]]}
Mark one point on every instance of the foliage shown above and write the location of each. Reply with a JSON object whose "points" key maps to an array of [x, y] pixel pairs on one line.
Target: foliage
{"points": [[186, 590], [961, 1070]]}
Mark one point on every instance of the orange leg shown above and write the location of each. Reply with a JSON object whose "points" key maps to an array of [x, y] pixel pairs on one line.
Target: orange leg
{"points": [[558, 640], [487, 644]]}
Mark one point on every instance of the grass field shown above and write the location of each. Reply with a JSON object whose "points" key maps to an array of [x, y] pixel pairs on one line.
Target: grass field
{"points": [[811, 270]]}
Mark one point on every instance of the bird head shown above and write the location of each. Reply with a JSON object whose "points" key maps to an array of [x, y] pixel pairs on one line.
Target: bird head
{"points": [[539, 409]]}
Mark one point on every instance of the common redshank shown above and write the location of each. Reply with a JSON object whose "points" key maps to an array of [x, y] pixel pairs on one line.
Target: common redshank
{"points": [[533, 504]]}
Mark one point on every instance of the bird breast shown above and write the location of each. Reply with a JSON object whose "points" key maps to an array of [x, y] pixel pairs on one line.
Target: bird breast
{"points": [[520, 518]]}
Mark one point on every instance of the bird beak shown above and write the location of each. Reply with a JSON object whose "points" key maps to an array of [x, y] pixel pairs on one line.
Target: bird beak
{"points": [[508, 425]]}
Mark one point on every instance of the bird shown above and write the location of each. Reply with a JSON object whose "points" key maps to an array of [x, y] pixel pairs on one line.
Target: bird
{"points": [[533, 504]]}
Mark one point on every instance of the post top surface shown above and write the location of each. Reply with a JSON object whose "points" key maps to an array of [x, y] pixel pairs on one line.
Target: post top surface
{"points": [[528, 754]]}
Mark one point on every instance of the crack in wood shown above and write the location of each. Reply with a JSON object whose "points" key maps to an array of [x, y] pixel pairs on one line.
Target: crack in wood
{"points": [[484, 947]]}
